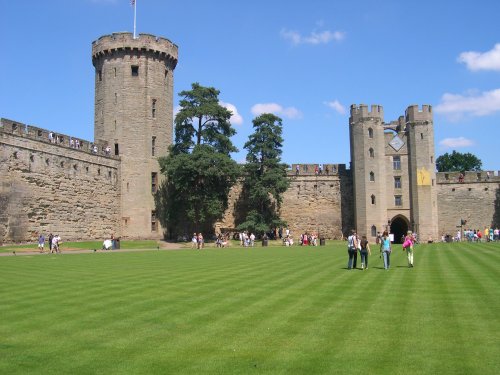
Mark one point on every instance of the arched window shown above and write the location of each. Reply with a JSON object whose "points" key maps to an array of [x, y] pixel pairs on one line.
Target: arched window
{"points": [[372, 176], [370, 133], [371, 152], [373, 199], [374, 231]]}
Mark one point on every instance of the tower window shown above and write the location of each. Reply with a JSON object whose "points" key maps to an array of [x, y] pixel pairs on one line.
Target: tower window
{"points": [[374, 231], [153, 145], [135, 70], [398, 200], [116, 98], [99, 75], [432, 159], [373, 199], [153, 108], [370, 133], [396, 163], [117, 150], [114, 70], [154, 223], [372, 176], [397, 182], [421, 135], [371, 152], [154, 182]]}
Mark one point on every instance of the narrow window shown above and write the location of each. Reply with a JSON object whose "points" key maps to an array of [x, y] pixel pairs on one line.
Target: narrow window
{"points": [[32, 158], [372, 153], [397, 182], [398, 200], [373, 199], [370, 133], [135, 70], [372, 176], [421, 135], [99, 74], [154, 182], [116, 98], [117, 150], [153, 108], [396, 163], [114, 69], [374, 231], [432, 159], [166, 74], [154, 224], [153, 145]]}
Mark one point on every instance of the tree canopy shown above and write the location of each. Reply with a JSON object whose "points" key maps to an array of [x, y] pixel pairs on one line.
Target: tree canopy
{"points": [[199, 171], [458, 162], [264, 177]]}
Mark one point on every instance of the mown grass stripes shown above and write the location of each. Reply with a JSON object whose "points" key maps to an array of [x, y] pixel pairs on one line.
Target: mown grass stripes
{"points": [[240, 311]]}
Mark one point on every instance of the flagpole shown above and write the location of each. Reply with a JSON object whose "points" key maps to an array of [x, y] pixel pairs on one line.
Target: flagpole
{"points": [[135, 12]]}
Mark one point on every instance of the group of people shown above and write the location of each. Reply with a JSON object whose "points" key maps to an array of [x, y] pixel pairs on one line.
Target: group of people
{"points": [[197, 241], [475, 235], [355, 244], [54, 243], [309, 239], [246, 240]]}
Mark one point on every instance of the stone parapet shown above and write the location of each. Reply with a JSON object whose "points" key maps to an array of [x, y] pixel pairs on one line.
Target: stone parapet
{"points": [[316, 169], [468, 177], [58, 139], [108, 44]]}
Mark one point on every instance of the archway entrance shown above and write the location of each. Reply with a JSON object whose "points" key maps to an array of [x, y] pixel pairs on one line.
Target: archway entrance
{"points": [[399, 227]]}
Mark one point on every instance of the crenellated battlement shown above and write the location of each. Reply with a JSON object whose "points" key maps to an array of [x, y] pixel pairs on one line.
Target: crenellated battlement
{"points": [[316, 169], [361, 111], [415, 114], [468, 177], [125, 41], [59, 139]]}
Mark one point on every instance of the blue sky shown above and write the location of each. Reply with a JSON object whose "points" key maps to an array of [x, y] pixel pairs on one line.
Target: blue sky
{"points": [[306, 61]]}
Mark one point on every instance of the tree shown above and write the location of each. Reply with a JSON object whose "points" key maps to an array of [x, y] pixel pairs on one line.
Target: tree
{"points": [[458, 162], [264, 177], [199, 170]]}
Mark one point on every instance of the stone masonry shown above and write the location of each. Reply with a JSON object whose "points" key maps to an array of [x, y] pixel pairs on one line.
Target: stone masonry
{"points": [[50, 187], [87, 193]]}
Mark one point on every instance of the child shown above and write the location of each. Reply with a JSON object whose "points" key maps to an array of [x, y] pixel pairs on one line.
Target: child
{"points": [[408, 247]]}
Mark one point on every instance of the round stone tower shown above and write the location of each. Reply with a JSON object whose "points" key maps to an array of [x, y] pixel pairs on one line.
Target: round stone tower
{"points": [[134, 116]]}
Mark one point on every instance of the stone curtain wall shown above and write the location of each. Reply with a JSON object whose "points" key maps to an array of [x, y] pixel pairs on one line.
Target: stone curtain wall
{"points": [[47, 187], [476, 200], [320, 203]]}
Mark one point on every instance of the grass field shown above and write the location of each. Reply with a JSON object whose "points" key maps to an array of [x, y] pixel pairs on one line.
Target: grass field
{"points": [[260, 311]]}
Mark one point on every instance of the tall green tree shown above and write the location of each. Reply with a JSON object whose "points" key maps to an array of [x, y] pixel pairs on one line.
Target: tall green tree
{"points": [[199, 170], [264, 177], [458, 162]]}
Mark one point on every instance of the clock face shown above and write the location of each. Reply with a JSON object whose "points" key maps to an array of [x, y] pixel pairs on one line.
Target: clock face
{"points": [[396, 143]]}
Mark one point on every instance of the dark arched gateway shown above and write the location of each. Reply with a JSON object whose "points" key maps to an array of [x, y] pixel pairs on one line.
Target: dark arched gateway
{"points": [[399, 227]]}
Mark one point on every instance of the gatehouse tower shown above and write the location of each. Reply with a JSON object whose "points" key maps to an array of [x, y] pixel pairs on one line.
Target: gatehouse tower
{"points": [[393, 171], [134, 117]]}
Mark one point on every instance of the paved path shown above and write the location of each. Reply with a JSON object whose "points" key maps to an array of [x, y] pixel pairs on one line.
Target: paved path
{"points": [[162, 246]]}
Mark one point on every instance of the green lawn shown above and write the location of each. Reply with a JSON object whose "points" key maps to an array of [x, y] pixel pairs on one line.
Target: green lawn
{"points": [[261, 311]]}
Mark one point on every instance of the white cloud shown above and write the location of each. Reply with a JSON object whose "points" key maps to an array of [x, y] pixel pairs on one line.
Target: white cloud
{"points": [[313, 38], [474, 104], [456, 142], [489, 60], [335, 105], [288, 112], [236, 118], [177, 109]]}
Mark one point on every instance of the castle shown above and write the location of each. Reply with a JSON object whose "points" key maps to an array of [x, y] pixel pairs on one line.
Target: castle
{"points": [[85, 190]]}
